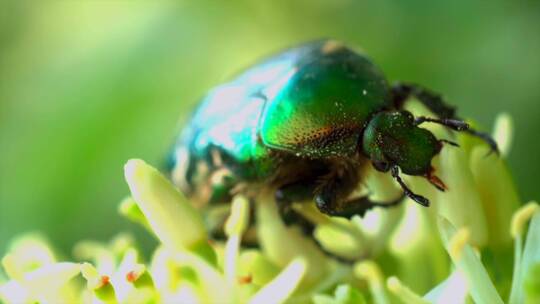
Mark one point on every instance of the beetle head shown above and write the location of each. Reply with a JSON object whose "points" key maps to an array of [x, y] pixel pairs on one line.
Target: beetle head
{"points": [[394, 139]]}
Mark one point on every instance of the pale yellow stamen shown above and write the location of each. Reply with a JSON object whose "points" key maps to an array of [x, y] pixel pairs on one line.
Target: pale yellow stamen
{"points": [[234, 228], [283, 285], [90, 273], [238, 221], [403, 292], [369, 271], [10, 267], [521, 217], [458, 241], [98, 283]]}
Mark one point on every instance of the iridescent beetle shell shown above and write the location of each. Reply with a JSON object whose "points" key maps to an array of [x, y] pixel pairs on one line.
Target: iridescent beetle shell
{"points": [[323, 105], [311, 101], [304, 124]]}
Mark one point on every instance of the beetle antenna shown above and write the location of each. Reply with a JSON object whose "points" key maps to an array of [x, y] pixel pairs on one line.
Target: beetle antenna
{"points": [[408, 192], [454, 124]]}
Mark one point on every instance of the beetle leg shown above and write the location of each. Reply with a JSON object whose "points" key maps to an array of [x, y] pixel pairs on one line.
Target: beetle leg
{"points": [[401, 92], [359, 206], [217, 216], [435, 103], [303, 191], [298, 192], [408, 192], [454, 124], [331, 201], [487, 139]]}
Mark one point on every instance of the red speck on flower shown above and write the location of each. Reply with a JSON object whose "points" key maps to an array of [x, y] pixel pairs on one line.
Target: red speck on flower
{"points": [[131, 276], [105, 280], [245, 279]]}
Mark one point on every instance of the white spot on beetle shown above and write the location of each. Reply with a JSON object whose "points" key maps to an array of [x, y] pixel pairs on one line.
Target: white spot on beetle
{"points": [[202, 168], [179, 171], [219, 176], [331, 46], [216, 158]]}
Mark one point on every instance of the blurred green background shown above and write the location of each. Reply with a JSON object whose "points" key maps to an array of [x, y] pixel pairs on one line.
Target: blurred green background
{"points": [[84, 86]]}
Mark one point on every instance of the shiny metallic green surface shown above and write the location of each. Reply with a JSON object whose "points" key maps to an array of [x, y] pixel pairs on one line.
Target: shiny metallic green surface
{"points": [[393, 138], [310, 101], [311, 118], [227, 122], [323, 107]]}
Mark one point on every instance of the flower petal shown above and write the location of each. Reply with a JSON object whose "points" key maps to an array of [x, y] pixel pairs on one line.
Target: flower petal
{"points": [[463, 256], [403, 292], [283, 244], [175, 222], [452, 290], [281, 287], [503, 133], [499, 198], [531, 253], [369, 271], [461, 203]]}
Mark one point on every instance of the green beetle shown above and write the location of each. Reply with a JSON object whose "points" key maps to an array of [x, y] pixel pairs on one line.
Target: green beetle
{"points": [[304, 124]]}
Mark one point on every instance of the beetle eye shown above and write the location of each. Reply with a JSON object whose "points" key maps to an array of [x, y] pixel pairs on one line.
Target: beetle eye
{"points": [[381, 166]]}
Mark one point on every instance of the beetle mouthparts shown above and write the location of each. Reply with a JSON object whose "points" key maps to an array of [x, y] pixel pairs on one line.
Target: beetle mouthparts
{"points": [[437, 182]]}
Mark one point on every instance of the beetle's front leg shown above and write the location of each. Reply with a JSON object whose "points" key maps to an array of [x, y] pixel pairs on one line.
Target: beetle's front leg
{"points": [[332, 199], [401, 92], [436, 104], [357, 206]]}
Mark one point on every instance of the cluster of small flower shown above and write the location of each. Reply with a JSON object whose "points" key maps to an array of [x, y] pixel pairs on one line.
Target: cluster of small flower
{"points": [[477, 220]]}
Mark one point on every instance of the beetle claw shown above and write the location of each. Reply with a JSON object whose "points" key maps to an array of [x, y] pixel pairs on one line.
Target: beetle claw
{"points": [[493, 147], [415, 197]]}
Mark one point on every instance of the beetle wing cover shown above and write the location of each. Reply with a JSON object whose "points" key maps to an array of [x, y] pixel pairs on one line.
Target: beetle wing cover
{"points": [[320, 109]]}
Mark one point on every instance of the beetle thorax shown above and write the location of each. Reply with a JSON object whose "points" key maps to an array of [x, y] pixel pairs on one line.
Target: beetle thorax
{"points": [[393, 139]]}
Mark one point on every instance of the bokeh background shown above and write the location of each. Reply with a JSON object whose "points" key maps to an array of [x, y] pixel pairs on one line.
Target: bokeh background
{"points": [[84, 86]]}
